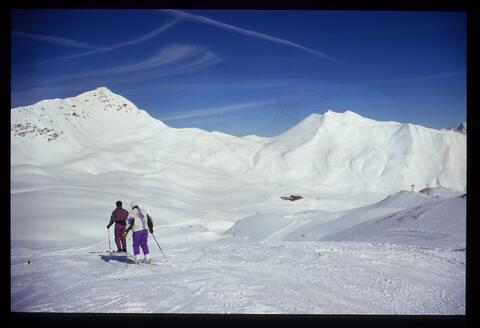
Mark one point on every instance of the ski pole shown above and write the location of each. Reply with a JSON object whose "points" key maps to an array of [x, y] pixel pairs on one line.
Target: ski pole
{"points": [[159, 246], [109, 246]]}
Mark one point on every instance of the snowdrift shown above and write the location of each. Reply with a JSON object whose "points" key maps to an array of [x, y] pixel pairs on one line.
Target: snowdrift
{"points": [[440, 225], [436, 219]]}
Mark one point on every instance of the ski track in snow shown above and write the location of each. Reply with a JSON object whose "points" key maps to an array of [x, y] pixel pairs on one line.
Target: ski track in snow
{"points": [[244, 277]]}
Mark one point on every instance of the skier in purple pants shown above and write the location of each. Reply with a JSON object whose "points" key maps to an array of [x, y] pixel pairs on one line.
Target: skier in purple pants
{"points": [[119, 217], [139, 221]]}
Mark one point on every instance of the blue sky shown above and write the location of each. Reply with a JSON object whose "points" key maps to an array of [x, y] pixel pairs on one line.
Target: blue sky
{"points": [[248, 71]]}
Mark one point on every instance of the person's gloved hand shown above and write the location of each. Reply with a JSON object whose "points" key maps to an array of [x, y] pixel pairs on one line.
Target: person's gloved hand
{"points": [[125, 234], [108, 226], [151, 230]]}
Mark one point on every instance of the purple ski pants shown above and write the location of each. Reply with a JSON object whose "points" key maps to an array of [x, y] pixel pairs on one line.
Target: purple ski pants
{"points": [[120, 240], [140, 239]]}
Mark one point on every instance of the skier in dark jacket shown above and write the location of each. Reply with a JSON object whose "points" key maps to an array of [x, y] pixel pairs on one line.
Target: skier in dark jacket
{"points": [[119, 217]]}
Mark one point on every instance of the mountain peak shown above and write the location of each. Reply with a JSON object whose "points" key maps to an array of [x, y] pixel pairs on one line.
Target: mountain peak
{"points": [[462, 127], [345, 115], [103, 89], [86, 116], [104, 99], [331, 114], [98, 92], [330, 119]]}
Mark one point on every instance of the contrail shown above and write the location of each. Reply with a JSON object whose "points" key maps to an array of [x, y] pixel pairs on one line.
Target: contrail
{"points": [[214, 110], [243, 31], [93, 49]]}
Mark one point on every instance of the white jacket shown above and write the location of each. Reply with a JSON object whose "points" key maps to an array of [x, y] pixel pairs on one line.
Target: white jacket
{"points": [[140, 217]]}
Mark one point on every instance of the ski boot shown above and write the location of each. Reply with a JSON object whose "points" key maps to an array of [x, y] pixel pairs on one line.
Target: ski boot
{"points": [[147, 259], [136, 260]]}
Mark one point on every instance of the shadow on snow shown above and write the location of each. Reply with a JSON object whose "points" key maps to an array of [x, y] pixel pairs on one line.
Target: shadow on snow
{"points": [[119, 258]]}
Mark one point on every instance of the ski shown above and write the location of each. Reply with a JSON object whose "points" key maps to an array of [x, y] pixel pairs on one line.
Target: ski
{"points": [[130, 260]]}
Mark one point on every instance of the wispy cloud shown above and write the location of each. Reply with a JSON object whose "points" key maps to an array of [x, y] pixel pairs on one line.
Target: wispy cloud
{"points": [[143, 38], [255, 34], [58, 41], [148, 36], [166, 56], [93, 49], [170, 60], [197, 60], [214, 110]]}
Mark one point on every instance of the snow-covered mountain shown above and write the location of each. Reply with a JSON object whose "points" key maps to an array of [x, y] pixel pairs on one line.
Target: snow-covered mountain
{"points": [[99, 131], [98, 147], [358, 242], [60, 130], [344, 151]]}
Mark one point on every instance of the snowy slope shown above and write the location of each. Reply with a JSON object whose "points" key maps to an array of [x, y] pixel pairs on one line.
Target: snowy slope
{"points": [[441, 225], [436, 219], [223, 277], [358, 241]]}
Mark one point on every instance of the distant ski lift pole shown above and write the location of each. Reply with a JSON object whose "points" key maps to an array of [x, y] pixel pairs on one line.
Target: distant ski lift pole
{"points": [[413, 186]]}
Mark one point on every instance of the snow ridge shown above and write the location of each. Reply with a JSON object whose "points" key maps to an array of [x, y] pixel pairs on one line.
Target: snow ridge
{"points": [[337, 151]]}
